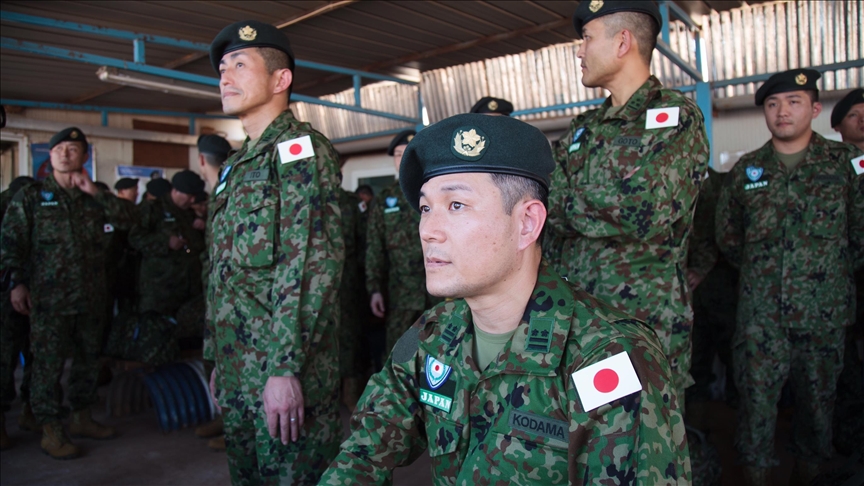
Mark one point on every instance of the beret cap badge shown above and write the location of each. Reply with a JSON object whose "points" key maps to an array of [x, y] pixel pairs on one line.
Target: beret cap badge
{"points": [[247, 33], [409, 137], [74, 134], [801, 79], [493, 105], [469, 143], [595, 5]]}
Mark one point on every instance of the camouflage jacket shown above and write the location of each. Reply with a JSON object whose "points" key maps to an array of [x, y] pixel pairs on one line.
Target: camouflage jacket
{"points": [[702, 250], [394, 255], [351, 293], [624, 240], [167, 278], [276, 259], [520, 421], [55, 242], [796, 236]]}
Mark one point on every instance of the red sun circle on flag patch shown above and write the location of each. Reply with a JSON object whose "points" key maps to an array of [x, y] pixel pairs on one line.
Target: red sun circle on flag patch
{"points": [[662, 117], [605, 380], [861, 164], [437, 367], [295, 149]]}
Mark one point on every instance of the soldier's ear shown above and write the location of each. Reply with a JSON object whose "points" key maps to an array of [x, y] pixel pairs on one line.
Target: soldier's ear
{"points": [[531, 215], [817, 109], [284, 80]]}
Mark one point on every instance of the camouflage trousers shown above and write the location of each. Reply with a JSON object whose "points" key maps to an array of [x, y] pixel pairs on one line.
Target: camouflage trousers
{"points": [[763, 359], [713, 328], [56, 337], [351, 333], [397, 321], [255, 458], [14, 339]]}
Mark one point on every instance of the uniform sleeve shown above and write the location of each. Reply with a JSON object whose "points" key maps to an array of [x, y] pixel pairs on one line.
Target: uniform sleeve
{"points": [[376, 258], [146, 235], [123, 216], [15, 240], [702, 248], [639, 439], [386, 430], [644, 205], [856, 220], [209, 350], [309, 259], [729, 222]]}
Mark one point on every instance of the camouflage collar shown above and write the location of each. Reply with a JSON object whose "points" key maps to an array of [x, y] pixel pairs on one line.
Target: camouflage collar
{"points": [[537, 345], [816, 150], [50, 184], [637, 104]]}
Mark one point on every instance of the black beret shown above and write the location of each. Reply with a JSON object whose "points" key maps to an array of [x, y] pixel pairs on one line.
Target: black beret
{"points": [[19, 182], [102, 186], [488, 104], [126, 183], [249, 33], [792, 80], [187, 182], [402, 138], [158, 187], [856, 96], [71, 134], [588, 10], [213, 144], [475, 143]]}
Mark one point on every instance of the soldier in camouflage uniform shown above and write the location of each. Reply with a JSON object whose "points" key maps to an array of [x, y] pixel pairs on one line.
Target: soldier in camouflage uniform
{"points": [[54, 238], [523, 378], [791, 217], [351, 299], [14, 339], [623, 194], [394, 258], [275, 265], [170, 272]]}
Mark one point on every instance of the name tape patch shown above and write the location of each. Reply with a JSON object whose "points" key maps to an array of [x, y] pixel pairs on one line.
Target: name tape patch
{"points": [[257, 175], [537, 425]]}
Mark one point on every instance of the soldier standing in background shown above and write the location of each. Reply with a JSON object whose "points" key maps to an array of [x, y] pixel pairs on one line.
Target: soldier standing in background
{"points": [[14, 341], [394, 256], [275, 266], [791, 218], [351, 299], [847, 118], [628, 175], [488, 105], [53, 245]]}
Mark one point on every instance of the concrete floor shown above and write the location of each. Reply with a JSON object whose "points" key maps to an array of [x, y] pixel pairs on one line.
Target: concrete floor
{"points": [[143, 455]]}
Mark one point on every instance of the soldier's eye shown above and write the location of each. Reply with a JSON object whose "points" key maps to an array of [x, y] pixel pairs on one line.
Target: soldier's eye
{"points": [[424, 209], [456, 205]]}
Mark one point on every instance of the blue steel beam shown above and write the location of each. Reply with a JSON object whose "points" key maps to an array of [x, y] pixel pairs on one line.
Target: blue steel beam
{"points": [[138, 51], [664, 22], [563, 106], [704, 102], [107, 109], [762, 77], [676, 59], [383, 133], [365, 111], [171, 42]]}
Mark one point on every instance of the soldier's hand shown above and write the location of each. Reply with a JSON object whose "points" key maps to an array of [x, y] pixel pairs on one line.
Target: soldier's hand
{"points": [[283, 406], [199, 224], [176, 242], [213, 390], [84, 183], [693, 279], [20, 298], [377, 304]]}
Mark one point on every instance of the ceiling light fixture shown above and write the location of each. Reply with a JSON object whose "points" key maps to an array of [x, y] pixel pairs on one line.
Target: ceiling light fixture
{"points": [[157, 83]]}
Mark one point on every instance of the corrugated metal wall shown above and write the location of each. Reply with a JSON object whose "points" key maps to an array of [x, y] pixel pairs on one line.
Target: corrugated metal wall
{"points": [[759, 39]]}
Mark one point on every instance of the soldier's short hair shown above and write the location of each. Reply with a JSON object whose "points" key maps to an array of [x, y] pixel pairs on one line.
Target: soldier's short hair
{"points": [[274, 59], [641, 25], [517, 188], [214, 160]]}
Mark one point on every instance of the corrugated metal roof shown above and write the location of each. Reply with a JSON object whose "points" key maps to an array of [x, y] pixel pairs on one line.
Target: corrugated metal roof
{"points": [[379, 36]]}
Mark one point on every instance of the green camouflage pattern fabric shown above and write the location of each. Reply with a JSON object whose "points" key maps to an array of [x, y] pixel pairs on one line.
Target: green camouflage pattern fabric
{"points": [[764, 358], [795, 236], [256, 459], [637, 439], [167, 278], [352, 295], [624, 240], [714, 300], [149, 337], [394, 260], [276, 259]]}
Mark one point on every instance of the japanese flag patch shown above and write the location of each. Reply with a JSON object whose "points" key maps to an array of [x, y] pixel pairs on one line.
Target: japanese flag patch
{"points": [[108, 228], [296, 149], [606, 381], [858, 165], [662, 117]]}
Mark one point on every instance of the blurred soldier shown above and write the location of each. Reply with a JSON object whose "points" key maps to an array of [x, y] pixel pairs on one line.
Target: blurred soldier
{"points": [[627, 178], [791, 217], [847, 118], [14, 341], [127, 189], [213, 151], [522, 378], [352, 299], [488, 105], [394, 256], [275, 265], [365, 193], [170, 272], [156, 189], [53, 245]]}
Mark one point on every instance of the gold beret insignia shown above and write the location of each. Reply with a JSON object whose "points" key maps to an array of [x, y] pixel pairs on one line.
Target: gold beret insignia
{"points": [[248, 33], [410, 137], [493, 105], [801, 79], [74, 134], [595, 5], [469, 143]]}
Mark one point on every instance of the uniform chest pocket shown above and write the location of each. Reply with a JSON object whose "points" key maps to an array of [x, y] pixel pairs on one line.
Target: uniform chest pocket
{"points": [[761, 218], [825, 216], [256, 212], [443, 436]]}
